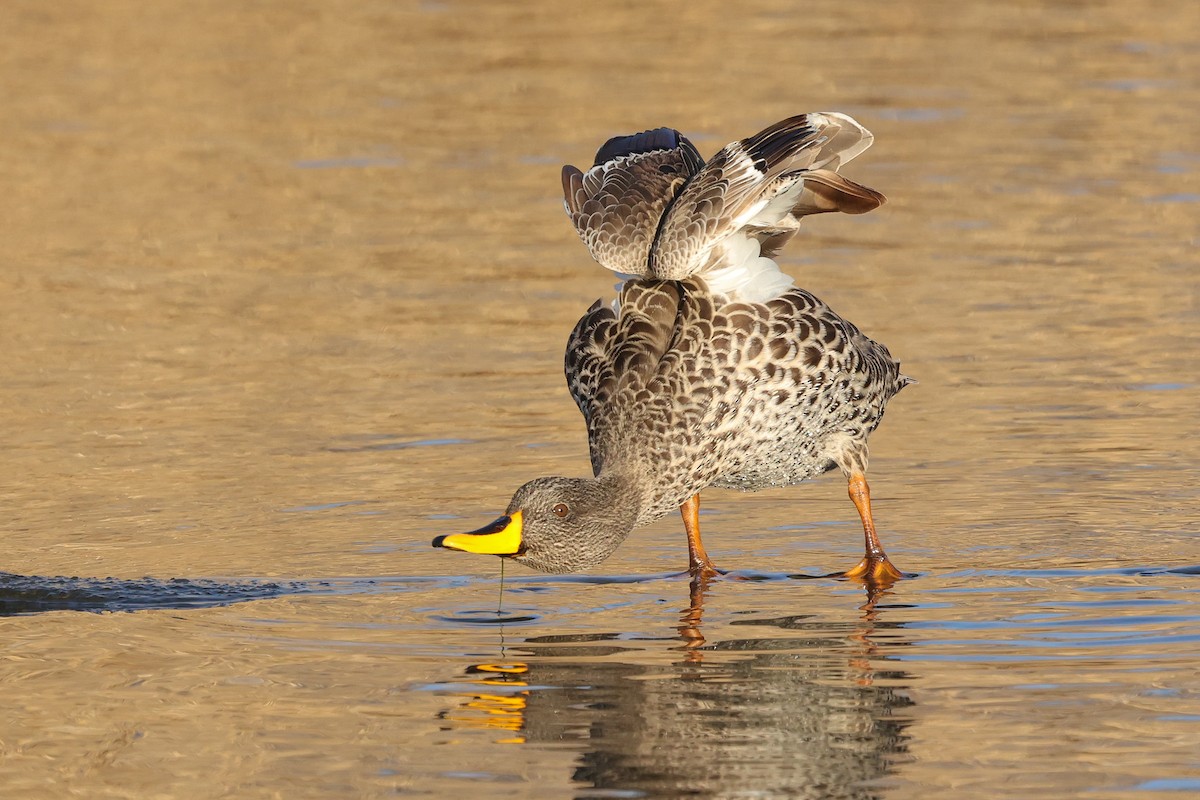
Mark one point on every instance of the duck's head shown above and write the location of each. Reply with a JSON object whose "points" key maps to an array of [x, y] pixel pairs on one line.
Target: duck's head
{"points": [[554, 525]]}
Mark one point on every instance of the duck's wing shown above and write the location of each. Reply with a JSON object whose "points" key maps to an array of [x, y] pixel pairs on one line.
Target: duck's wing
{"points": [[760, 187], [614, 358], [616, 206], [586, 363]]}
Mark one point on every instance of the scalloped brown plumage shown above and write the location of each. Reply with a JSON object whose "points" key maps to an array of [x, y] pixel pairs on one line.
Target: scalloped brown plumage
{"points": [[683, 385]]}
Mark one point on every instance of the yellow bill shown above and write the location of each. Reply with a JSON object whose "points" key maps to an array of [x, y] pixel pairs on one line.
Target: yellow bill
{"points": [[501, 538]]}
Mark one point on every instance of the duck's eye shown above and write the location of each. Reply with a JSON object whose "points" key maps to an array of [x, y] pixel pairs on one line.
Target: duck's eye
{"points": [[560, 510]]}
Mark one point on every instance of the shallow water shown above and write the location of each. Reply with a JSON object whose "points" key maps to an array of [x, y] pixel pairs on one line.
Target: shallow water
{"points": [[285, 288]]}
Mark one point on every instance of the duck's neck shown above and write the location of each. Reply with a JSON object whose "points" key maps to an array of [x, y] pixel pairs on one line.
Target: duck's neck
{"points": [[642, 483], [622, 491], [619, 496]]}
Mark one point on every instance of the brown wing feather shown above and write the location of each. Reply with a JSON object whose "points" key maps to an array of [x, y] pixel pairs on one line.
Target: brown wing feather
{"points": [[746, 177], [819, 191], [616, 205], [613, 359]]}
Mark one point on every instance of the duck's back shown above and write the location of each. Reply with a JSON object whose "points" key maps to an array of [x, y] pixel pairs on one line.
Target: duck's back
{"points": [[690, 390]]}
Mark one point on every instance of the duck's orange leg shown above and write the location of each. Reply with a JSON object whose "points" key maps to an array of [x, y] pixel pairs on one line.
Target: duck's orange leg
{"points": [[699, 564], [875, 567]]}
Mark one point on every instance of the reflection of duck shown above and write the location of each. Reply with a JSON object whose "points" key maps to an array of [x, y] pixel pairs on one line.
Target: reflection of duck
{"points": [[712, 369], [806, 713]]}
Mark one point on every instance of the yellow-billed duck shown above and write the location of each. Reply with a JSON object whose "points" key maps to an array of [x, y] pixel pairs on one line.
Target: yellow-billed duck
{"points": [[711, 368]]}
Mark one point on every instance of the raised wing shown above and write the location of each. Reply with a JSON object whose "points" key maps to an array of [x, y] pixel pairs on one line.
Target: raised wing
{"points": [[761, 186], [617, 205]]}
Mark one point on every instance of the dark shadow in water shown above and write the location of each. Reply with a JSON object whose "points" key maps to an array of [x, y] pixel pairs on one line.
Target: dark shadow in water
{"points": [[31, 594], [809, 715]]}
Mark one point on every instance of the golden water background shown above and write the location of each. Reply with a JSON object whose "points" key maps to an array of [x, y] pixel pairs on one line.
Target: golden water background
{"points": [[283, 293]]}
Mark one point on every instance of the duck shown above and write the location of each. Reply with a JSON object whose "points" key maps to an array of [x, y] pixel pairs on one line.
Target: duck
{"points": [[711, 368]]}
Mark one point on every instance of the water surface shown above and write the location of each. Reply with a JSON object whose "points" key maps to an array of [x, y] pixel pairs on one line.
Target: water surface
{"points": [[284, 292]]}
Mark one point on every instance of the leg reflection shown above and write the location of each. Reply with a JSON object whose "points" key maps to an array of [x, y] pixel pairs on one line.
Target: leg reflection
{"points": [[805, 705], [693, 616]]}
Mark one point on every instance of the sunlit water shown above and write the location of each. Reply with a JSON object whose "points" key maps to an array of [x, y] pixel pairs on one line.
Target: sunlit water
{"points": [[285, 289]]}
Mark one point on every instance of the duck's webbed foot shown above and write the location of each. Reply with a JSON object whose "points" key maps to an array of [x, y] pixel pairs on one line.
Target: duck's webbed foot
{"points": [[875, 569]]}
